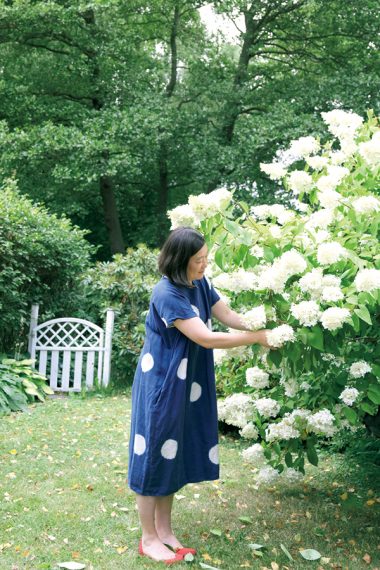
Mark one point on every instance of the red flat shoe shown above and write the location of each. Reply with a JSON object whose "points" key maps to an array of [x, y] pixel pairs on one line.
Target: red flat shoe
{"points": [[178, 557], [184, 551]]}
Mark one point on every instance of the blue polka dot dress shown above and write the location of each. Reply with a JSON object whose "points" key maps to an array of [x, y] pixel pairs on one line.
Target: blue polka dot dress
{"points": [[174, 425]]}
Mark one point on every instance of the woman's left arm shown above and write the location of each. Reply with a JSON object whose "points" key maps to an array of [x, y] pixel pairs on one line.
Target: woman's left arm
{"points": [[227, 316]]}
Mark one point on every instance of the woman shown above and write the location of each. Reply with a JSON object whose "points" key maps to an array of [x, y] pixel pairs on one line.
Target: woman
{"points": [[174, 426]]}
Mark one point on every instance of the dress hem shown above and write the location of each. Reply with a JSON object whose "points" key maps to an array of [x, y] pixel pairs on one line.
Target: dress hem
{"points": [[155, 494]]}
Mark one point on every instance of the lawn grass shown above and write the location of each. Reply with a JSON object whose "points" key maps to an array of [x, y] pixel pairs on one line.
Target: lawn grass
{"points": [[64, 497]]}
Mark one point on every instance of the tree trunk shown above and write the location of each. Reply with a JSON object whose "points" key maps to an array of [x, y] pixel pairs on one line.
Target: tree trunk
{"points": [[111, 216], [163, 195]]}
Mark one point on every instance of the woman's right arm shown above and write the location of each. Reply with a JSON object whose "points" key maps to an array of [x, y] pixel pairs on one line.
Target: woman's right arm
{"points": [[196, 330]]}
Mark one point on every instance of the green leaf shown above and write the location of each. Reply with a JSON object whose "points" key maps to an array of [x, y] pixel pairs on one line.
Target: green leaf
{"points": [[374, 393], [311, 453], [315, 338], [310, 554], [216, 532], [286, 551], [246, 520], [351, 415], [363, 313], [275, 357]]}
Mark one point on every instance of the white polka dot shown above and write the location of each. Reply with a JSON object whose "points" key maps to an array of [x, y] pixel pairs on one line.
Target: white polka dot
{"points": [[195, 392], [147, 362], [213, 454], [139, 445], [195, 309], [169, 449], [164, 321], [208, 281], [182, 369], [209, 324]]}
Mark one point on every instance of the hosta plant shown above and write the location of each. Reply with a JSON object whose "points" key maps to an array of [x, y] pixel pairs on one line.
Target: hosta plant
{"points": [[20, 385]]}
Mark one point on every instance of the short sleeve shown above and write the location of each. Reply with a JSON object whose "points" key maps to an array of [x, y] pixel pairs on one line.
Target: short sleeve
{"points": [[171, 305], [213, 295]]}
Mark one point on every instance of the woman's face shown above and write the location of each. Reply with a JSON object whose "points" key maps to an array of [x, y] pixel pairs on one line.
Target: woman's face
{"points": [[197, 264]]}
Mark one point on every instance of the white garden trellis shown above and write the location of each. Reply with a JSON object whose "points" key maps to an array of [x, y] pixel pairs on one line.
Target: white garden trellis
{"points": [[69, 350]]}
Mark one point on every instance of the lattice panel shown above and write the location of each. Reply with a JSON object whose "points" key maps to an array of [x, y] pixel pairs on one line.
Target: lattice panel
{"points": [[67, 335]]}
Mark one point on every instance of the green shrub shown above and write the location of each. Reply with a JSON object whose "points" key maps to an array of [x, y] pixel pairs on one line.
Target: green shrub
{"points": [[125, 285], [20, 385], [41, 259]]}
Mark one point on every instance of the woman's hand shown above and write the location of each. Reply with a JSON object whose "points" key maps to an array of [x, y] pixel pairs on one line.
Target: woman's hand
{"points": [[260, 337]]}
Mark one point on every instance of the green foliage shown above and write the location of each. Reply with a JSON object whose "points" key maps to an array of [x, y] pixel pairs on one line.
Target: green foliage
{"points": [[20, 385], [104, 110], [41, 257], [125, 285]]}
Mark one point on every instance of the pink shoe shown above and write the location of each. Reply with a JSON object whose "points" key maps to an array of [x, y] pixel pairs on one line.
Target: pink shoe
{"points": [[178, 557]]}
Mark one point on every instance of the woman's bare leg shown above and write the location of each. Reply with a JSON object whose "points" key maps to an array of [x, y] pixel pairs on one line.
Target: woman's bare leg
{"points": [[151, 542], [163, 521]]}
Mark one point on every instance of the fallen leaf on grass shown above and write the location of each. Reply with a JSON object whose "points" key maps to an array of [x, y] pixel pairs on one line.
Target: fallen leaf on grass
{"points": [[255, 546], [216, 532], [310, 554], [367, 558], [207, 566], [274, 566], [286, 551], [122, 549], [246, 520]]}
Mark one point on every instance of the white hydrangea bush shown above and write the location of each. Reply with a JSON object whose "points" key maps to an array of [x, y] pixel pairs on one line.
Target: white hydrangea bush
{"points": [[310, 274]]}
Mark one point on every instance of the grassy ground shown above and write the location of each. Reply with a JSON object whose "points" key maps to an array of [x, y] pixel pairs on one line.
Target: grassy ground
{"points": [[64, 498]]}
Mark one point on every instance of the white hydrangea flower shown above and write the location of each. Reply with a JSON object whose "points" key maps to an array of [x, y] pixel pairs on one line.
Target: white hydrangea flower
{"points": [[334, 318], [329, 199], [359, 369], [329, 280], [367, 280], [322, 422], [279, 335], [321, 219], [292, 475], [290, 387], [305, 386], [275, 231], [304, 146], [332, 294], [272, 278], [236, 281], [282, 214], [317, 162], [261, 212], [283, 430], [342, 124], [292, 262], [330, 252], [300, 181], [267, 475], [207, 205], [257, 251], [322, 235], [255, 318], [366, 204], [349, 396], [306, 312], [236, 409], [312, 282], [183, 216], [249, 431], [254, 455], [267, 407], [370, 150], [257, 377], [220, 355], [274, 170]]}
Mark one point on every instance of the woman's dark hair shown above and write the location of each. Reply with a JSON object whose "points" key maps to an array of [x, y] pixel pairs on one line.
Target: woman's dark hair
{"points": [[181, 244]]}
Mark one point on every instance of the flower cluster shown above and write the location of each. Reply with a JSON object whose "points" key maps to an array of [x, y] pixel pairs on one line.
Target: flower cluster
{"points": [[199, 208], [255, 318], [334, 318], [278, 336], [267, 407], [322, 423], [367, 280], [236, 409], [349, 396], [359, 369], [306, 312], [257, 377]]}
